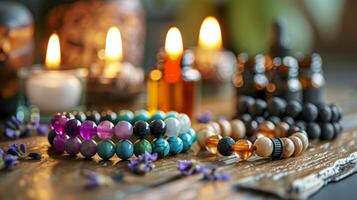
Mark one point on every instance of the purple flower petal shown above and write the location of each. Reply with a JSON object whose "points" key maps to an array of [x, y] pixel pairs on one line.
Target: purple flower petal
{"points": [[12, 134], [143, 163], [42, 129], [205, 117], [35, 155], [10, 161], [23, 148]]}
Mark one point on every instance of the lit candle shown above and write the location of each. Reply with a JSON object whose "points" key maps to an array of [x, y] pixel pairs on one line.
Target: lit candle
{"points": [[113, 53], [210, 37], [212, 60], [170, 88], [173, 50], [53, 90]]}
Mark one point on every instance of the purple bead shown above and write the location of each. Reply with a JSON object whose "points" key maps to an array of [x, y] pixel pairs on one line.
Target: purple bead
{"points": [[72, 127], [57, 123], [88, 148], [88, 130], [105, 130], [123, 130], [72, 146], [58, 142]]}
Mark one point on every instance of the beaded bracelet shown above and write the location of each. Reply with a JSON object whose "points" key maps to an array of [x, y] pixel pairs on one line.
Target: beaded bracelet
{"points": [[319, 121], [262, 145], [64, 136]]}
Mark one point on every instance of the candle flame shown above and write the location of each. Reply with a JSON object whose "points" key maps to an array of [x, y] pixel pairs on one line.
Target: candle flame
{"points": [[113, 45], [173, 43], [53, 54], [210, 34]]}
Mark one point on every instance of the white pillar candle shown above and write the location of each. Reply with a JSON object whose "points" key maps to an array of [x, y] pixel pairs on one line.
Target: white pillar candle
{"points": [[54, 91]]}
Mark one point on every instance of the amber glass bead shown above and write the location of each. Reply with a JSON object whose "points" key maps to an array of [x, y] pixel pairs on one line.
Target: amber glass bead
{"points": [[212, 143], [244, 148]]}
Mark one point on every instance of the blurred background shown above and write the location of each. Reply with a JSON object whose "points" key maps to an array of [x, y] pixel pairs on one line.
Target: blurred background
{"points": [[324, 26]]}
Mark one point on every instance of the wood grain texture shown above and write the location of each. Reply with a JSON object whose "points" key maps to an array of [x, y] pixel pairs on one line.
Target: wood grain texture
{"points": [[58, 176]]}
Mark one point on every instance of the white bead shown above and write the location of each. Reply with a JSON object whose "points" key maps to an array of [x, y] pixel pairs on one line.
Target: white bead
{"points": [[172, 126], [185, 123]]}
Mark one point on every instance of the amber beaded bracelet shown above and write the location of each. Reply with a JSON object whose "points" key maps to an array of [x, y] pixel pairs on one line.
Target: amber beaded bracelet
{"points": [[217, 138]]}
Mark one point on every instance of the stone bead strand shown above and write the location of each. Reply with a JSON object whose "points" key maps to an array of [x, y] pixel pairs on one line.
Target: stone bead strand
{"points": [[264, 143], [75, 133]]}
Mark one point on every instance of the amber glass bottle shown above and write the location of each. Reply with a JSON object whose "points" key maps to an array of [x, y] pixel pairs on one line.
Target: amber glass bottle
{"points": [[191, 80], [250, 78], [286, 83], [153, 81], [311, 78]]}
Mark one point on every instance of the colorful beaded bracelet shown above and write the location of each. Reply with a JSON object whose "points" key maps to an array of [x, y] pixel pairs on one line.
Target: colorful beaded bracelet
{"points": [[64, 136]]}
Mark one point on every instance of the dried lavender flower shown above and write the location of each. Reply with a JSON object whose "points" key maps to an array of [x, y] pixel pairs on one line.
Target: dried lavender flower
{"points": [[143, 164]]}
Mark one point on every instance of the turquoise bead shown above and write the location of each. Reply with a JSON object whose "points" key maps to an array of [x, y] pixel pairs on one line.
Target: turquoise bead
{"points": [[126, 115], [193, 135], [171, 114], [142, 114], [176, 145], [124, 149], [140, 146], [158, 115], [161, 147], [186, 140], [106, 149]]}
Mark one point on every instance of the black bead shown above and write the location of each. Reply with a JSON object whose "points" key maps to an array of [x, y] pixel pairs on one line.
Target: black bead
{"points": [[158, 128], [69, 115], [80, 116], [224, 146], [277, 148], [259, 119], [301, 124], [276, 106], [309, 112], [251, 127], [93, 116], [313, 130], [336, 113], [337, 128], [294, 129], [109, 116], [293, 109], [244, 102], [51, 136], [245, 117], [327, 131], [258, 108], [325, 114], [274, 119], [289, 120], [141, 129]]}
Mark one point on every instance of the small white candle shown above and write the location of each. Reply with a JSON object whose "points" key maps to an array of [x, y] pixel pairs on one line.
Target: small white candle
{"points": [[53, 90]]}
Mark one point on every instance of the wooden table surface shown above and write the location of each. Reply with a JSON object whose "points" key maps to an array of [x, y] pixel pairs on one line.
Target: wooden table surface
{"points": [[58, 176]]}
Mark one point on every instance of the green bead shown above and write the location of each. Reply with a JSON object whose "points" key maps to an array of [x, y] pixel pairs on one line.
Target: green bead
{"points": [[186, 139], [193, 135], [161, 147], [126, 115], [106, 149], [142, 114], [158, 115], [171, 114], [176, 145], [141, 146], [124, 149]]}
